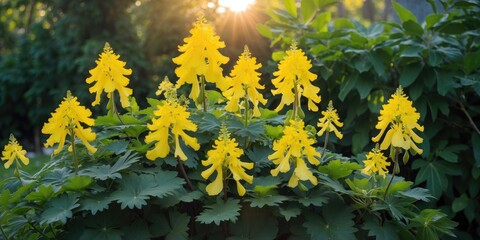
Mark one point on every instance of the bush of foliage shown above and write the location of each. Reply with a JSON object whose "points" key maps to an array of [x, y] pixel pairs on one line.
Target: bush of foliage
{"points": [[218, 164], [437, 64]]}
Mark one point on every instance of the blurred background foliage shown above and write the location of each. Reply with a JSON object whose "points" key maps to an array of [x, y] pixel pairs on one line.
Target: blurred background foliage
{"points": [[361, 50]]}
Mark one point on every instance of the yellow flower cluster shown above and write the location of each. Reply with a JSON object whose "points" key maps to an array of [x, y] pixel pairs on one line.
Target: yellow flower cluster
{"points": [[173, 117], [109, 75], [244, 82], [329, 120], [295, 146], [294, 75], [376, 162], [401, 119], [200, 57], [225, 155], [67, 120], [13, 151]]}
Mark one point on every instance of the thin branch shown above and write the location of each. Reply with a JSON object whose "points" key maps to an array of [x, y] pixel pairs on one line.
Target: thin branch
{"points": [[469, 118], [3, 233], [184, 173]]}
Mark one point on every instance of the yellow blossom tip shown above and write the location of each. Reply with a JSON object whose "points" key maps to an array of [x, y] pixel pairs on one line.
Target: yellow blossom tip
{"points": [[224, 134], [201, 20], [107, 48], [330, 106], [399, 91], [293, 47], [246, 52], [12, 138]]}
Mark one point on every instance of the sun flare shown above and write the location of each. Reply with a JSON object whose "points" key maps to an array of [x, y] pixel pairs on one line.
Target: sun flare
{"points": [[236, 5]]}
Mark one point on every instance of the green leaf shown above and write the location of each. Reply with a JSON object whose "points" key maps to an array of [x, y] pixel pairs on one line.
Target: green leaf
{"points": [[59, 209], [291, 7], [333, 184], [274, 131], [433, 174], [432, 19], [336, 222], [307, 9], [413, 28], [96, 203], [102, 234], [381, 231], [118, 147], [471, 62], [104, 226], [403, 13], [418, 194], [173, 225], [476, 150], [43, 193], [347, 86], [76, 183], [278, 55], [104, 172], [290, 212], [316, 198], [410, 73], [337, 169], [180, 195], [431, 222], [137, 230], [272, 199], [359, 185], [460, 203], [343, 23], [135, 189], [445, 81], [248, 227], [253, 131], [214, 97], [208, 123], [228, 210], [264, 31], [398, 184], [321, 21]]}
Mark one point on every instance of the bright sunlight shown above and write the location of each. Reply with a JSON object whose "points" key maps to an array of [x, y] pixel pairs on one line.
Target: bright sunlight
{"points": [[236, 5]]}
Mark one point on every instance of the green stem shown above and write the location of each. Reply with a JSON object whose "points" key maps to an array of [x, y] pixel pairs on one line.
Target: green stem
{"points": [[325, 145], [53, 232], [75, 158], [114, 107], [36, 229], [395, 166], [202, 90], [295, 101], [225, 194], [247, 106], [184, 173], [3, 233]]}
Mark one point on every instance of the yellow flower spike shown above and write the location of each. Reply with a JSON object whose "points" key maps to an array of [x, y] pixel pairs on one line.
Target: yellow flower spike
{"points": [[224, 156], [109, 75], [294, 75], [376, 162], [330, 121], [68, 118], [200, 56], [13, 151], [399, 119], [174, 117], [244, 83], [295, 147]]}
